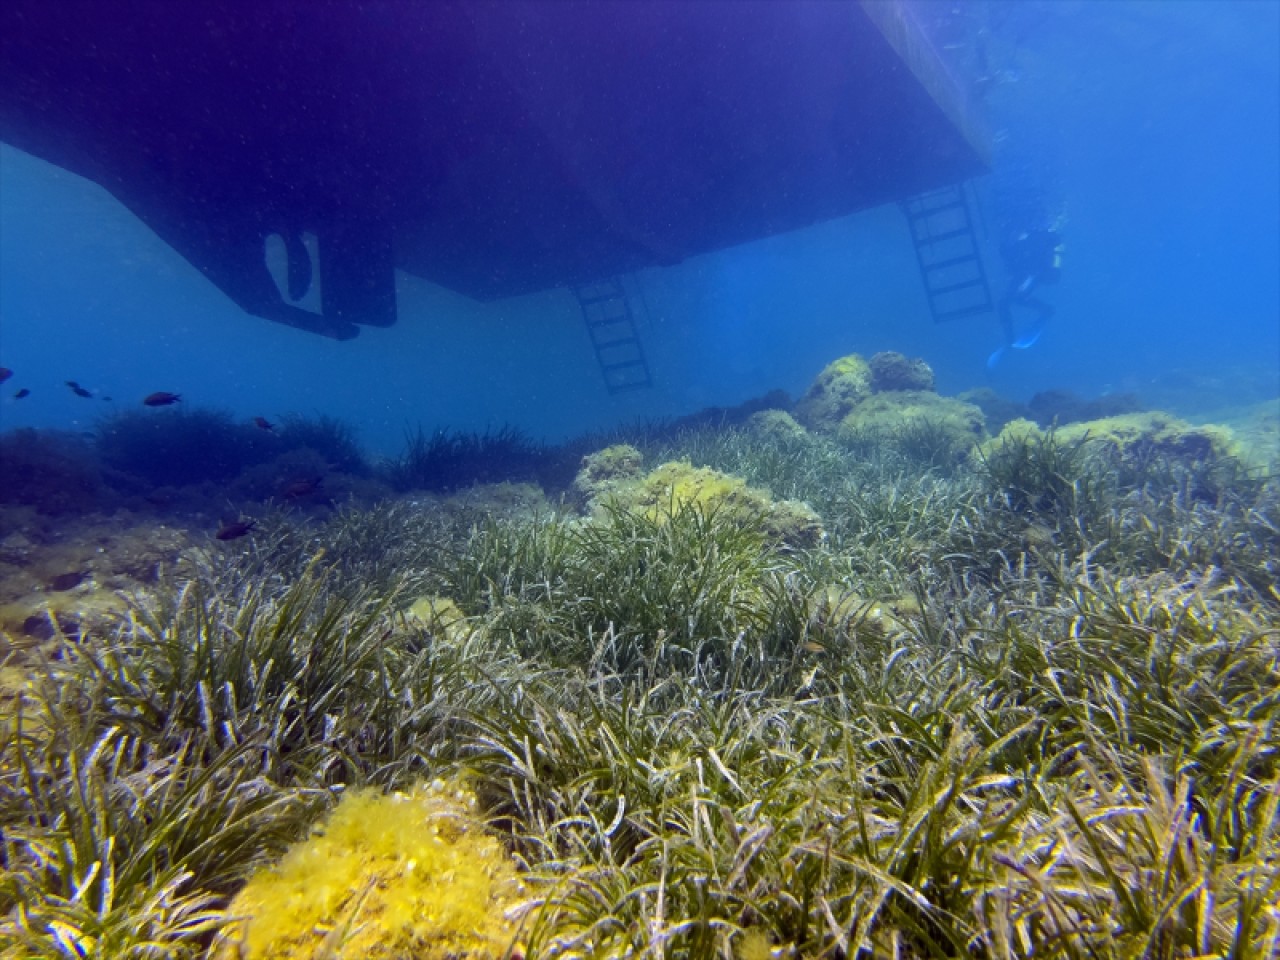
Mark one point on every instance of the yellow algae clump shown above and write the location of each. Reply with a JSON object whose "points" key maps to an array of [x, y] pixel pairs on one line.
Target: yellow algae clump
{"points": [[441, 616], [753, 945], [676, 484], [406, 876]]}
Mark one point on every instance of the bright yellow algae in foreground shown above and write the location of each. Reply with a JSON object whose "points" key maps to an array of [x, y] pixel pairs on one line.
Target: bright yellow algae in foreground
{"points": [[386, 878]]}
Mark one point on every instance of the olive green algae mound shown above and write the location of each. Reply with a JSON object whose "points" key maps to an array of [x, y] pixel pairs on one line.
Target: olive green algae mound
{"points": [[607, 471], [885, 414], [405, 876], [1141, 434], [777, 426], [675, 485], [1132, 437], [613, 479], [890, 401], [840, 386]]}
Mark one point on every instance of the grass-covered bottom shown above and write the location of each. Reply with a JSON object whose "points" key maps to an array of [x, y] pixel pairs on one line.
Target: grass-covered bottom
{"points": [[1023, 707]]}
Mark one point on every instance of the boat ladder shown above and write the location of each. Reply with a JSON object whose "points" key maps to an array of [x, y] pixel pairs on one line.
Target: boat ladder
{"points": [[955, 281], [611, 324]]}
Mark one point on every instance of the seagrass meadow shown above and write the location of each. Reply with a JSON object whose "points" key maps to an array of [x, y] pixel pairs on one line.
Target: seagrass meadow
{"points": [[836, 686]]}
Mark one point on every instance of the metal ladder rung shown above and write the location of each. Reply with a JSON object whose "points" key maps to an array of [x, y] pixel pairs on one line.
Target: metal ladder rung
{"points": [[964, 261], [963, 311], [953, 262], [608, 314], [939, 291], [925, 212], [938, 238]]}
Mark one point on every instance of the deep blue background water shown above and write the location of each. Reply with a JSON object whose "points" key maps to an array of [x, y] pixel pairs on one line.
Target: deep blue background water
{"points": [[1155, 128]]}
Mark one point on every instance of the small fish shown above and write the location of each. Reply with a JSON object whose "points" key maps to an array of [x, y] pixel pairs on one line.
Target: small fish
{"points": [[24, 392], [78, 390], [235, 529], [262, 423], [161, 398], [5, 374]]}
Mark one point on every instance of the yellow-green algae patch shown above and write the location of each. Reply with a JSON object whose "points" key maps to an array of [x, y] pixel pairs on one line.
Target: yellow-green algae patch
{"points": [[405, 876], [677, 484], [839, 611], [883, 414], [614, 476], [1132, 435], [441, 616], [1140, 433], [607, 471]]}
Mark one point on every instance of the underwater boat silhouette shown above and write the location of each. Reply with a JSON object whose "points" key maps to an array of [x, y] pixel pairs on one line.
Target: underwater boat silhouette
{"points": [[495, 148]]}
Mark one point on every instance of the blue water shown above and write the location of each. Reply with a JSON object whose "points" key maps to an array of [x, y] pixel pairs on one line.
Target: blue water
{"points": [[1153, 128]]}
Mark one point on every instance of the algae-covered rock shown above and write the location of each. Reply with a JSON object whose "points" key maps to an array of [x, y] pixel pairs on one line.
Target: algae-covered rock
{"points": [[607, 471], [441, 616], [793, 523], [508, 500], [920, 424], [838, 389], [891, 370], [777, 426], [1139, 435], [407, 876], [674, 485], [1015, 431], [997, 409]]}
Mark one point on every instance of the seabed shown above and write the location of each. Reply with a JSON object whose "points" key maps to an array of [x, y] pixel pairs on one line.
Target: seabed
{"points": [[875, 674]]}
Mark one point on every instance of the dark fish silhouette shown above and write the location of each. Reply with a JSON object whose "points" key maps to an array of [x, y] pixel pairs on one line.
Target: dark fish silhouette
{"points": [[161, 398], [235, 529], [263, 423], [24, 392], [78, 390], [5, 374]]}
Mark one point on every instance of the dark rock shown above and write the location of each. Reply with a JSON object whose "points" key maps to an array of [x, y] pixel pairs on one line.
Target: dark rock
{"points": [[38, 627], [67, 581], [891, 370]]}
